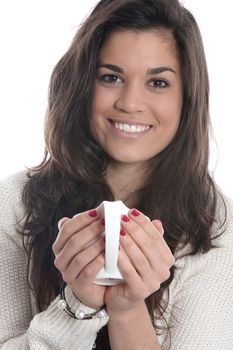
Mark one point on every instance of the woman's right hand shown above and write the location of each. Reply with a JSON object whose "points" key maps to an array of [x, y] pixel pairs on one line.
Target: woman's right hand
{"points": [[79, 255]]}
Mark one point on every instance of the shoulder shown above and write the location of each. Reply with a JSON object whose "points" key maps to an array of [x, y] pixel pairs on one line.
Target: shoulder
{"points": [[222, 231], [218, 260], [12, 210], [200, 291], [11, 189], [198, 297], [13, 181]]}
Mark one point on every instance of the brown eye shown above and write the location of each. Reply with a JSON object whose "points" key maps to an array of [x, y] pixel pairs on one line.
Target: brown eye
{"points": [[158, 83], [110, 79]]}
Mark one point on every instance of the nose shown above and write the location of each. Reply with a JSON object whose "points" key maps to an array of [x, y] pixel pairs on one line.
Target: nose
{"points": [[130, 99]]}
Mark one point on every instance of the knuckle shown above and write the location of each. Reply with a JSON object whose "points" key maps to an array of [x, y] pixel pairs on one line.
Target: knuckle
{"points": [[88, 272], [62, 221], [80, 219], [157, 286], [66, 231], [96, 249], [77, 260], [58, 263], [154, 285], [170, 260], [68, 279], [129, 243], [100, 260], [141, 294], [54, 247], [127, 271], [157, 237], [165, 274], [142, 263], [145, 221], [72, 241]]}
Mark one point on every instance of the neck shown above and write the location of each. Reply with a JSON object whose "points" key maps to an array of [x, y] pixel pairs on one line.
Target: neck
{"points": [[125, 179]]}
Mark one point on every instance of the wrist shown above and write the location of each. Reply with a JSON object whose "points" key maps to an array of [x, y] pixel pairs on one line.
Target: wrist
{"points": [[133, 311], [84, 312]]}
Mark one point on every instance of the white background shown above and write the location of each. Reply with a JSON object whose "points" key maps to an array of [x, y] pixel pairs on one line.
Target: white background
{"points": [[35, 34]]}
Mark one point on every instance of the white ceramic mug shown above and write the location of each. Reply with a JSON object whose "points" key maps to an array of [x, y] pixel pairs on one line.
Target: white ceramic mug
{"points": [[111, 211]]}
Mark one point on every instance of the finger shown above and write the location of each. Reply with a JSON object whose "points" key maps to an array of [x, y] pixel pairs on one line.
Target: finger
{"points": [[150, 270], [61, 222], [142, 220], [128, 271], [136, 286], [73, 225], [158, 224], [88, 274], [82, 260], [147, 237], [76, 243]]}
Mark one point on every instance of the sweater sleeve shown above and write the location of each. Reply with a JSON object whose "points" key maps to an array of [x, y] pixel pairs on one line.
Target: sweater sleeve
{"points": [[201, 303], [52, 329]]}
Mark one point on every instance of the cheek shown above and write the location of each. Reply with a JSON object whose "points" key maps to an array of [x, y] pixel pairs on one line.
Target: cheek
{"points": [[100, 109], [169, 112], [95, 102], [96, 108], [103, 100]]}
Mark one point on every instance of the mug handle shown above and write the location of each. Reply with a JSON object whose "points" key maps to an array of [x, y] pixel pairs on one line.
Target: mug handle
{"points": [[111, 211], [112, 214]]}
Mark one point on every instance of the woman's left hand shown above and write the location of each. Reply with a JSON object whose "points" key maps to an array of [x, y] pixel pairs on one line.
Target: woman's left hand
{"points": [[144, 261]]}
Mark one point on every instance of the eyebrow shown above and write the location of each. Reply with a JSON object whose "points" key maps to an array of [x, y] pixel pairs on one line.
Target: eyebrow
{"points": [[151, 71]]}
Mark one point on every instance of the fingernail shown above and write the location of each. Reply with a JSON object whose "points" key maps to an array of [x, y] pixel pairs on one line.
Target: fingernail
{"points": [[135, 212], [92, 213], [159, 222], [102, 221], [122, 232], [125, 218], [160, 226], [61, 222]]}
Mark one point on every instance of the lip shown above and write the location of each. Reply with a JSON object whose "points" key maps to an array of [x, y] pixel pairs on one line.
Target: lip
{"points": [[130, 122], [126, 134]]}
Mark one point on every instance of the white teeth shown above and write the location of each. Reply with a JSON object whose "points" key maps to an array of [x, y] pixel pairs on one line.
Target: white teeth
{"points": [[131, 128]]}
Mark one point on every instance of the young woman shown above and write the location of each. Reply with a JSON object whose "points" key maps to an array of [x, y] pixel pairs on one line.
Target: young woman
{"points": [[127, 119]]}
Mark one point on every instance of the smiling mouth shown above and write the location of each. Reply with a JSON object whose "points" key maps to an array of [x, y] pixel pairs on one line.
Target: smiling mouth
{"points": [[130, 128]]}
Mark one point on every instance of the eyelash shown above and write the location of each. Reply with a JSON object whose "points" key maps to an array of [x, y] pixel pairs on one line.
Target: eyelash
{"points": [[112, 79], [109, 78], [160, 83]]}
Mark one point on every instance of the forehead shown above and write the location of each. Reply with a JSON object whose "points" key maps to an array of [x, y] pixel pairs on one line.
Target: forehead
{"points": [[150, 47]]}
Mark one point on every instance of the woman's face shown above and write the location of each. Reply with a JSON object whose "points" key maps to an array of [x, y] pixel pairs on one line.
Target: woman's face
{"points": [[137, 99]]}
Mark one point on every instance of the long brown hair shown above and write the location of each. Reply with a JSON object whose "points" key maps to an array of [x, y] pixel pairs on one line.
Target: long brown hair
{"points": [[71, 178]]}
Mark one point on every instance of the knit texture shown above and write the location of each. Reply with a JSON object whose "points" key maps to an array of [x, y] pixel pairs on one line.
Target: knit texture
{"points": [[20, 327], [199, 313]]}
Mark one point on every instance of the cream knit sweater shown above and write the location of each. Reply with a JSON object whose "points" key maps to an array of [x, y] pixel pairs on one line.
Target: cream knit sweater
{"points": [[200, 311]]}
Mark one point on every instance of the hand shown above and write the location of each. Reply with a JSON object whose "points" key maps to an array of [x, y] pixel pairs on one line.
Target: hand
{"points": [[79, 255], [144, 261]]}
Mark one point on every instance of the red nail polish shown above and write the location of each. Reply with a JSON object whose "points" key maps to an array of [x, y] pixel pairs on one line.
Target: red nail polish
{"points": [[125, 218], [135, 212], [122, 232], [92, 213], [102, 221]]}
